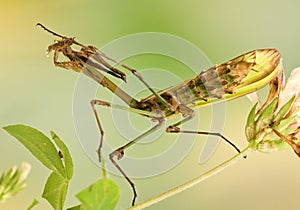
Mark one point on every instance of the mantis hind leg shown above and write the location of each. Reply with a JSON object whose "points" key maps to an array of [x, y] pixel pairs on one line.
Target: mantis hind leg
{"points": [[119, 153], [175, 129], [96, 102]]}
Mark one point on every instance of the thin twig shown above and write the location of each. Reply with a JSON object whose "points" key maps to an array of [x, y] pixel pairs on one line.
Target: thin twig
{"points": [[192, 182]]}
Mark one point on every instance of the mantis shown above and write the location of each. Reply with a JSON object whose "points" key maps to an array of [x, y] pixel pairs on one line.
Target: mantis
{"points": [[232, 79]]}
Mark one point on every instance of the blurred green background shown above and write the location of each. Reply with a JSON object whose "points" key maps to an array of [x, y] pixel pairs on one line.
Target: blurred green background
{"points": [[34, 92]]}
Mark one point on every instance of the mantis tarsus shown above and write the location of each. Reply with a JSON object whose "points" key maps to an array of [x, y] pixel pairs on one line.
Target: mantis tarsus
{"points": [[237, 77]]}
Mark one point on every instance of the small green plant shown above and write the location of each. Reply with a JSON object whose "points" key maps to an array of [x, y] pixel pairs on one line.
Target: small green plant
{"points": [[13, 181], [102, 195], [274, 125]]}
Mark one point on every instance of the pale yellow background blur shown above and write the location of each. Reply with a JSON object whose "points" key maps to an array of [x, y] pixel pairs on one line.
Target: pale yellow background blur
{"points": [[34, 92]]}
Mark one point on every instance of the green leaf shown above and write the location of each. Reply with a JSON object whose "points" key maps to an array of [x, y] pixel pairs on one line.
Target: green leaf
{"points": [[251, 116], [285, 123], [43, 149], [79, 207], [34, 203], [250, 125], [267, 115], [66, 155], [284, 110], [39, 145], [8, 178], [55, 190], [102, 195]]}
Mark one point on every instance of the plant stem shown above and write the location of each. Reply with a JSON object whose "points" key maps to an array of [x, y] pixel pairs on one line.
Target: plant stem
{"points": [[103, 168], [192, 182]]}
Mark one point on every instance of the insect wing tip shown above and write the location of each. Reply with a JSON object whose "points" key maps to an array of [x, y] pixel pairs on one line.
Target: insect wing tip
{"points": [[124, 79]]}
